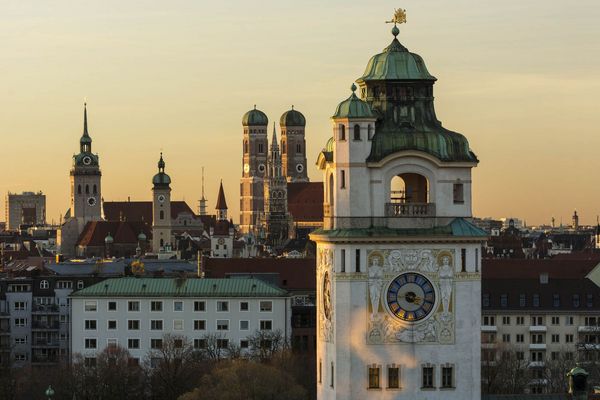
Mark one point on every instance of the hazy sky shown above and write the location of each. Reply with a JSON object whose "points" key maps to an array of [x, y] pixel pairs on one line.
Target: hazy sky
{"points": [[519, 78]]}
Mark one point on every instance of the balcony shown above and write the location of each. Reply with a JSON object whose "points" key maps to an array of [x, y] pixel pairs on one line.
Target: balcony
{"points": [[45, 309], [37, 325], [488, 345], [538, 328], [536, 364], [489, 328], [537, 346], [588, 328], [396, 210], [45, 343], [40, 359]]}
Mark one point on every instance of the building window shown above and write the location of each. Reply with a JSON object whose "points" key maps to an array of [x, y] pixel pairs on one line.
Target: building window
{"points": [[458, 193], [261, 148], [133, 324], [522, 300], [20, 306], [161, 214], [505, 338], [156, 325], [520, 320], [370, 132], [486, 300], [555, 320], [332, 374], [222, 343], [156, 306], [44, 284], [298, 148], [320, 371], [78, 189], [177, 324], [357, 132], [222, 306], [222, 325], [536, 300], [112, 306], [91, 306], [576, 302], [503, 300], [506, 320], [199, 325], [555, 338], [133, 306], [266, 306], [80, 284], [589, 300], [244, 344], [199, 343], [342, 179], [342, 128], [244, 306], [555, 300], [199, 306], [343, 260], [90, 343], [374, 377], [569, 338], [393, 377], [569, 320], [447, 376], [244, 325], [133, 343], [477, 260], [156, 343], [520, 338], [489, 320], [463, 260], [90, 324], [178, 306], [87, 189], [427, 377], [95, 190], [266, 325], [112, 324], [245, 147]]}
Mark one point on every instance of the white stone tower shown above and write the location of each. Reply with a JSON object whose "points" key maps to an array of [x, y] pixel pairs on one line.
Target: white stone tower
{"points": [[161, 209], [293, 146], [254, 168], [398, 269]]}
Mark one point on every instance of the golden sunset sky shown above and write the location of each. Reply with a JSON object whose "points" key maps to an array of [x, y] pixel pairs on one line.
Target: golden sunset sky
{"points": [[519, 78]]}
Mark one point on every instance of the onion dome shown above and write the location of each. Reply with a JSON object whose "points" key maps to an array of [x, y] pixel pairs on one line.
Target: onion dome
{"points": [[396, 63], [255, 118], [292, 118], [329, 145], [141, 237], [353, 107], [109, 239], [161, 179]]}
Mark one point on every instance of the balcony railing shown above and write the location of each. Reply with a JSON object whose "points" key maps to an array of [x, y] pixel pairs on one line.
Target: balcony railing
{"points": [[410, 209], [45, 325], [45, 343], [45, 309]]}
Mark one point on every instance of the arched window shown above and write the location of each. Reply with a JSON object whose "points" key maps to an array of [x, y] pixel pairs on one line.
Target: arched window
{"points": [[409, 188], [162, 214], [95, 190], [331, 188], [357, 132], [370, 132], [78, 189], [342, 179], [87, 189], [44, 284], [162, 243], [342, 132], [245, 147], [298, 148]]}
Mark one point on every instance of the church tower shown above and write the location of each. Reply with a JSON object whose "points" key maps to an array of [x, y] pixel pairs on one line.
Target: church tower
{"points": [[276, 217], [85, 179], [293, 146], [254, 168], [398, 268], [161, 209]]}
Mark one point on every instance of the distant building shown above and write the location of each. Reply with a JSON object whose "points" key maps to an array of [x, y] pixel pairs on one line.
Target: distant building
{"points": [[25, 209], [136, 313]]}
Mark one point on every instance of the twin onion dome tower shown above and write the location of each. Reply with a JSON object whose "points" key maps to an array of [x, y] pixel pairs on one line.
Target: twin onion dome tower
{"points": [[398, 258]]}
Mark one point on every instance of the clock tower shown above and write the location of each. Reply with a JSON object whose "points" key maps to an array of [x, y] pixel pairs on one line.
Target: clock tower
{"points": [[293, 146], [398, 268], [254, 169], [161, 209]]}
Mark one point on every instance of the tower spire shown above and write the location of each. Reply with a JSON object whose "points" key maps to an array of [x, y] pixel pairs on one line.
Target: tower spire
{"points": [[85, 127], [221, 206], [202, 202], [85, 143]]}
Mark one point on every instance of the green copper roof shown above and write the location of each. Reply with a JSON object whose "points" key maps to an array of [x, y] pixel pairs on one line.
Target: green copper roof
{"points": [[161, 179], [396, 63], [255, 118], [459, 228], [292, 118], [180, 287], [353, 107], [329, 145]]}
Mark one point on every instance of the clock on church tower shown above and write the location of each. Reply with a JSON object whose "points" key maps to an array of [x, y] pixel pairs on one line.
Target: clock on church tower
{"points": [[398, 268]]}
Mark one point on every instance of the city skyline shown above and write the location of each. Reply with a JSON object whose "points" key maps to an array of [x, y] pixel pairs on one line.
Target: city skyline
{"points": [[147, 75]]}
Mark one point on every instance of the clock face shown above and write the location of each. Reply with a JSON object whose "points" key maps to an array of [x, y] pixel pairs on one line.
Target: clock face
{"points": [[221, 241], [410, 297], [261, 167], [299, 167], [161, 198], [91, 201], [87, 160], [246, 168], [326, 296]]}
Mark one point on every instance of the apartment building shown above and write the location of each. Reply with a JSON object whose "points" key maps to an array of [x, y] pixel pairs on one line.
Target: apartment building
{"points": [[542, 310], [136, 313]]}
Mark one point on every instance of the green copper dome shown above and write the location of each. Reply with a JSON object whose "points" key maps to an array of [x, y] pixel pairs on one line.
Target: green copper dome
{"points": [[396, 63], [292, 118], [353, 107], [329, 145], [161, 179], [255, 118]]}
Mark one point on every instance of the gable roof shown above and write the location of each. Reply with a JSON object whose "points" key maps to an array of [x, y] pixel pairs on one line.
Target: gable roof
{"points": [[139, 210], [180, 287], [123, 232]]}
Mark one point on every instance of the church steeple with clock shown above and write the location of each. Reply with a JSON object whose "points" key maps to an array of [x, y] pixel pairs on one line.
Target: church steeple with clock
{"points": [[398, 268], [161, 209], [85, 179]]}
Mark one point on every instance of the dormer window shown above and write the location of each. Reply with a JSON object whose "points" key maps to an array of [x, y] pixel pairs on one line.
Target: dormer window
{"points": [[357, 132]]}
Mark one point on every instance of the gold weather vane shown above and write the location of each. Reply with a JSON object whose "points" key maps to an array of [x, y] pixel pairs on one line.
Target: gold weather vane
{"points": [[399, 17]]}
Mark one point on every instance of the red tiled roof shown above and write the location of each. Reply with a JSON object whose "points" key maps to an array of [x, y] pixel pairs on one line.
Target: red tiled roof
{"points": [[123, 232], [531, 269], [294, 273], [139, 210], [305, 201]]}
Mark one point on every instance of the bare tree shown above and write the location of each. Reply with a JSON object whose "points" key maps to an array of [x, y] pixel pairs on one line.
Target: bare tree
{"points": [[265, 345], [504, 371]]}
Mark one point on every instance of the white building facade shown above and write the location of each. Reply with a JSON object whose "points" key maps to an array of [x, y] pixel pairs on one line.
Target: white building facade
{"points": [[398, 274], [136, 313]]}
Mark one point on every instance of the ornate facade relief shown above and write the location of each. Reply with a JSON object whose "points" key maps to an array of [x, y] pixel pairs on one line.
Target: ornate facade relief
{"points": [[325, 294], [400, 294]]}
